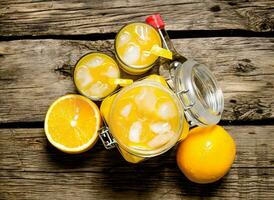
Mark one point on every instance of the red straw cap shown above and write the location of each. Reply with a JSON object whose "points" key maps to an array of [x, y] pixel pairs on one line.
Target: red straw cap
{"points": [[156, 21]]}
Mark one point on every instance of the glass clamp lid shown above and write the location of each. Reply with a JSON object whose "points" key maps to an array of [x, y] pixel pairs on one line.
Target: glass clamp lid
{"points": [[198, 92]]}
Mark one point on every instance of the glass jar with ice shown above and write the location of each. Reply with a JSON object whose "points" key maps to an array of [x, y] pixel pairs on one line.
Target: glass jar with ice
{"points": [[147, 118]]}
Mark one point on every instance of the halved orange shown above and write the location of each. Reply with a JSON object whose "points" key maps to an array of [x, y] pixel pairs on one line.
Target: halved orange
{"points": [[72, 123]]}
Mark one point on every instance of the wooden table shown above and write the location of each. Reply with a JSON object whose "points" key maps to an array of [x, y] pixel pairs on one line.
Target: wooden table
{"points": [[40, 39]]}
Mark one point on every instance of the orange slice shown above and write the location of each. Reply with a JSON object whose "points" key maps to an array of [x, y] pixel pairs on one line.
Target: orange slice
{"points": [[72, 123], [159, 51]]}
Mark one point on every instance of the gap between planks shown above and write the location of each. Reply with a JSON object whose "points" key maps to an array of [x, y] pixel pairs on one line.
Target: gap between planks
{"points": [[40, 124], [173, 35]]}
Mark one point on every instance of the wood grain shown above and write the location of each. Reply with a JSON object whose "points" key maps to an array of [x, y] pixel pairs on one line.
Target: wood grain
{"points": [[30, 168], [32, 74], [76, 17]]}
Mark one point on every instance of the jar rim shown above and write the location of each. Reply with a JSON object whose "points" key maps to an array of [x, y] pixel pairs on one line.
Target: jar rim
{"points": [[163, 148]]}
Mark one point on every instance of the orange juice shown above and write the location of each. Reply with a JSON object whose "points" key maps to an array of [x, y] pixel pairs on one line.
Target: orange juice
{"points": [[132, 47], [148, 117], [145, 118], [93, 74]]}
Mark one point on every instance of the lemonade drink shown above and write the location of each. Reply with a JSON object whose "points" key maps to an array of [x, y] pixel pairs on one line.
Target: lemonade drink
{"points": [[145, 119], [93, 75], [132, 47]]}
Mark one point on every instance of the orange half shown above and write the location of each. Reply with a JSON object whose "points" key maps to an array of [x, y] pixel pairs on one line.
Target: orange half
{"points": [[72, 123]]}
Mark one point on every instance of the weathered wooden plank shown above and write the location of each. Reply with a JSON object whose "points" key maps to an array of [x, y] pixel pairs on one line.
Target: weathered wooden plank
{"points": [[31, 74], [85, 17], [21, 147], [30, 168], [135, 183]]}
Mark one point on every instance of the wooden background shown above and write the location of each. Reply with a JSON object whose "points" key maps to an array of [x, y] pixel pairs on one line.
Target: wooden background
{"points": [[40, 39]]}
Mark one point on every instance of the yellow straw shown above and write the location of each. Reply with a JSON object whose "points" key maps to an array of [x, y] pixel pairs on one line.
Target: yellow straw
{"points": [[121, 82], [159, 51]]}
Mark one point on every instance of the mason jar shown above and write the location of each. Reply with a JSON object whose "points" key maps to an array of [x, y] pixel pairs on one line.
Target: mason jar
{"points": [[149, 117]]}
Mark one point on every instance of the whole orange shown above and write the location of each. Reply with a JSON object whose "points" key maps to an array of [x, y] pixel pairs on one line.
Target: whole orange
{"points": [[206, 154]]}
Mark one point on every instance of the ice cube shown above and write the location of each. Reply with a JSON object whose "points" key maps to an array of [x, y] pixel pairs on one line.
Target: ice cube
{"points": [[135, 132], [145, 55], [167, 110], [83, 76], [112, 72], [142, 32], [98, 88], [132, 54], [95, 62], [160, 127], [126, 110], [160, 139], [146, 99], [123, 39]]}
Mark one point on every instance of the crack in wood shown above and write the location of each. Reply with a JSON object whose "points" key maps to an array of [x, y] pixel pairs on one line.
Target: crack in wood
{"points": [[65, 70], [15, 149], [215, 8], [259, 23], [250, 110], [245, 66]]}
